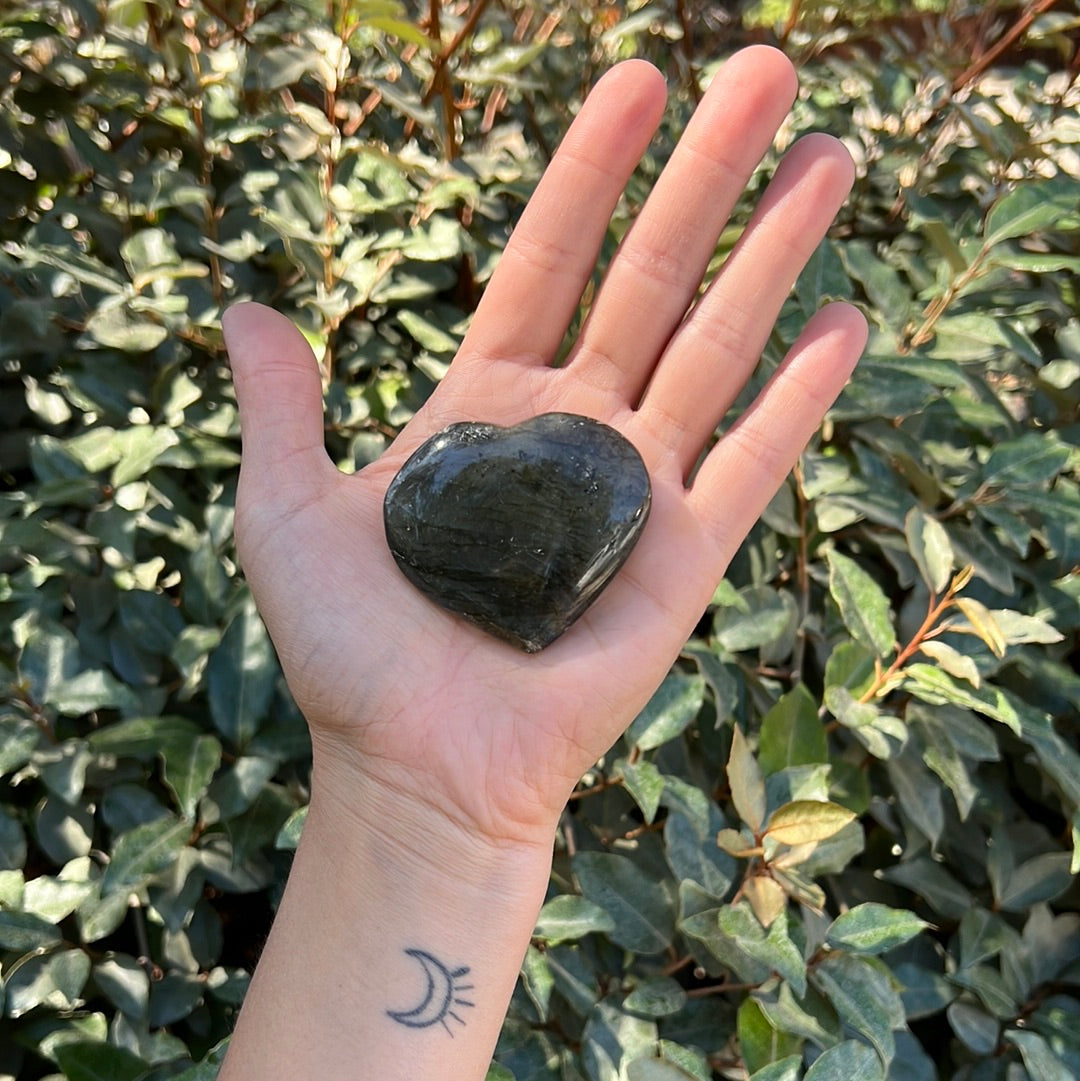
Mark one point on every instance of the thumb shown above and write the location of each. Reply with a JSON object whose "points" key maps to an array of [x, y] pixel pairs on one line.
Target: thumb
{"points": [[280, 397]]}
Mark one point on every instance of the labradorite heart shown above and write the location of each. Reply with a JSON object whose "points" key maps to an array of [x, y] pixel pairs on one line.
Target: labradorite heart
{"points": [[518, 529]]}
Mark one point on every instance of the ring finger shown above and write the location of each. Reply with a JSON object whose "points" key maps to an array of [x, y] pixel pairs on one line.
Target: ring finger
{"points": [[717, 347]]}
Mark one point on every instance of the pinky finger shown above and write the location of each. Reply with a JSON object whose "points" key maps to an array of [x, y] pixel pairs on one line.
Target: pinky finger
{"points": [[743, 471]]}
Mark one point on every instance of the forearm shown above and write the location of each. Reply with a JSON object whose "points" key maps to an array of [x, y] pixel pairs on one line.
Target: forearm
{"points": [[393, 955]]}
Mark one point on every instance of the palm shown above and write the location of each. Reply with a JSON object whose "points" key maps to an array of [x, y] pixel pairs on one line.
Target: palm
{"points": [[494, 736]]}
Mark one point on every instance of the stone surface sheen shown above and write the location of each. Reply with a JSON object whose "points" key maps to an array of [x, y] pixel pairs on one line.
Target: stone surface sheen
{"points": [[518, 529]]}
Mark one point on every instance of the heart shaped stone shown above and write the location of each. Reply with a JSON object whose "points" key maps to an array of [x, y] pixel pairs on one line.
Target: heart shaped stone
{"points": [[518, 529]]}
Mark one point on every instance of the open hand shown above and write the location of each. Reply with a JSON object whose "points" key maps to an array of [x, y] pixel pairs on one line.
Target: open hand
{"points": [[409, 703]]}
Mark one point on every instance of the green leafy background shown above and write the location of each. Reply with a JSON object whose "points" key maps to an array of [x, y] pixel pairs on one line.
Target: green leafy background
{"points": [[841, 841]]}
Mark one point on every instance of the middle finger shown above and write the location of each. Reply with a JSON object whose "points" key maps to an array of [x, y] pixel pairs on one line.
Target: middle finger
{"points": [[658, 269]]}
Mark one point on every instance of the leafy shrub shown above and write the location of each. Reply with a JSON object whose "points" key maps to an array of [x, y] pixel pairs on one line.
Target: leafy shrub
{"points": [[841, 840]]}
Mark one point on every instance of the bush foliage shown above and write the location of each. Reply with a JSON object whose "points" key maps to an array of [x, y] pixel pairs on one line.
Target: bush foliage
{"points": [[841, 842]]}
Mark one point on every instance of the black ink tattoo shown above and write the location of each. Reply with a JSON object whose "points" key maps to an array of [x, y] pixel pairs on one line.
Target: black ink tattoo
{"points": [[443, 993]]}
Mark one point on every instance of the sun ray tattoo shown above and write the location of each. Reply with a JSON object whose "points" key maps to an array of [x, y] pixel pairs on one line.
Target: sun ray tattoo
{"points": [[441, 996]]}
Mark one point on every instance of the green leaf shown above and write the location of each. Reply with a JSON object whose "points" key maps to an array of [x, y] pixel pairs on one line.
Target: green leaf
{"points": [[937, 687], [785, 1069], [82, 268], [142, 852], [660, 996], [925, 991], [190, 765], [772, 947], [236, 789], [704, 926], [760, 1043], [23, 932], [762, 618], [803, 821], [985, 981], [656, 1069], [928, 543], [1041, 1062], [792, 734], [54, 899], [93, 689], [976, 1029], [612, 1039], [125, 983], [822, 279], [917, 794], [890, 295], [861, 990], [537, 979], [428, 333], [944, 759], [746, 781], [642, 909], [1031, 263], [846, 1062], [146, 249], [1027, 209], [952, 660], [928, 879], [669, 712], [101, 916], [691, 856], [1031, 461], [689, 1059], [137, 449], [209, 1068], [569, 917], [873, 928], [86, 1061], [811, 1016], [141, 737], [1019, 629], [19, 737], [173, 997], [863, 606], [289, 835], [850, 666], [410, 32], [645, 783], [48, 659], [115, 325], [983, 934], [1039, 879], [241, 676], [12, 886], [54, 982]]}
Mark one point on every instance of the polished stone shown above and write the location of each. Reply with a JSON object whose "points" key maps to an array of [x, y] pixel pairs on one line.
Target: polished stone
{"points": [[519, 529]]}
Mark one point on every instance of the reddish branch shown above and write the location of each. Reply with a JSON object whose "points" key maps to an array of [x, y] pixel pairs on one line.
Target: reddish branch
{"points": [[974, 70]]}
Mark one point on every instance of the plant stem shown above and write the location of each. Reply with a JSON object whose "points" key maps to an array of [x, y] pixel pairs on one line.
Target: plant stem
{"points": [[802, 574], [937, 307], [935, 610], [975, 69], [792, 21], [686, 48], [440, 83]]}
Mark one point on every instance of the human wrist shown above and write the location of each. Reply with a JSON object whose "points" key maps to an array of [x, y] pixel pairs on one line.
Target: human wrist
{"points": [[397, 943], [367, 814]]}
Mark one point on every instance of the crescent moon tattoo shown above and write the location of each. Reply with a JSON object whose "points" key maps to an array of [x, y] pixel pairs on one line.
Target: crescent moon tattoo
{"points": [[442, 994]]}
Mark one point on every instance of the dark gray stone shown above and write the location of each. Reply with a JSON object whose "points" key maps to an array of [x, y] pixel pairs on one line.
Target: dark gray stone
{"points": [[518, 529]]}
